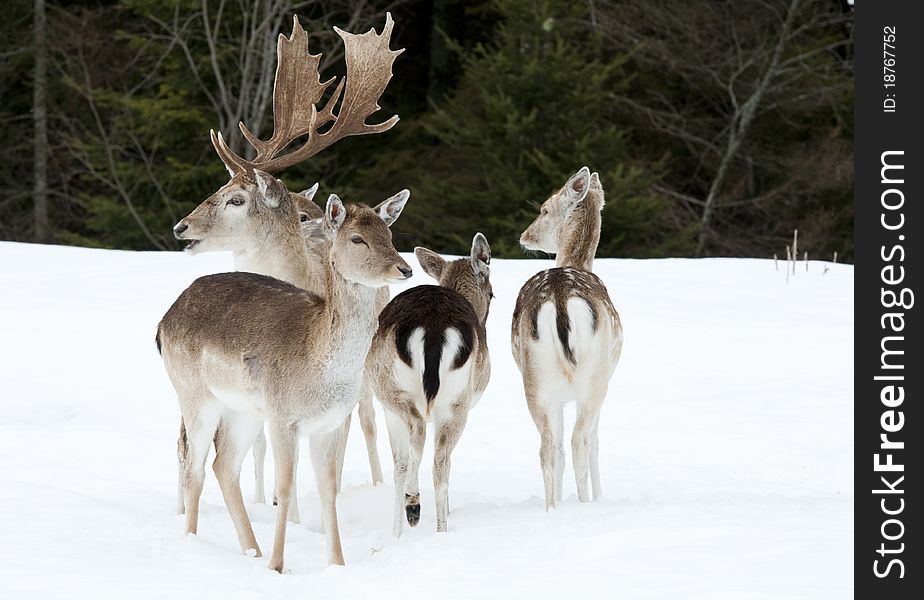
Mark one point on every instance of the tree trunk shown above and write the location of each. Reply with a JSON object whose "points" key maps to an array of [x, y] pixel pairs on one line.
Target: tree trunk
{"points": [[41, 229], [741, 122]]}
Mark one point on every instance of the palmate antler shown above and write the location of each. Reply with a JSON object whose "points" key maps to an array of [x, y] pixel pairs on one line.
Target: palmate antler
{"points": [[298, 89]]}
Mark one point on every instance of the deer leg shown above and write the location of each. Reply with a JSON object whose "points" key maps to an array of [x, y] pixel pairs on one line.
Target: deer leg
{"points": [[448, 431], [367, 421], [181, 456], [201, 421], [595, 459], [558, 422], [292, 513], [235, 436], [285, 447], [417, 433], [259, 463], [324, 448], [342, 437], [550, 441], [398, 437], [588, 411], [580, 455]]}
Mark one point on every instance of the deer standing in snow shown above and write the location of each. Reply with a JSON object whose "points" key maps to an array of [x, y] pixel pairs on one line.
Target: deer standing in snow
{"points": [[261, 234], [566, 334], [429, 362], [240, 348]]}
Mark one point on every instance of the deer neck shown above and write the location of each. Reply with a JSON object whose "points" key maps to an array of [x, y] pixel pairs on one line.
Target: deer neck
{"points": [[282, 255], [580, 235], [350, 315]]}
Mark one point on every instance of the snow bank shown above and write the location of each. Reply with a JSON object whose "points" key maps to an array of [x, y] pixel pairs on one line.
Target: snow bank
{"points": [[726, 449]]}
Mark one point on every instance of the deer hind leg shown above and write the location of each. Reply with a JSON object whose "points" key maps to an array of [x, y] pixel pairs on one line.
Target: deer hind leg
{"points": [[235, 436], [181, 454], [324, 448], [417, 434], [367, 421], [284, 438], [595, 460], [398, 437], [448, 428], [259, 463], [201, 421], [548, 417], [588, 412]]}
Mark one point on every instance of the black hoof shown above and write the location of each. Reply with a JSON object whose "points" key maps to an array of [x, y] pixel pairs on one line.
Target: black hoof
{"points": [[412, 509]]}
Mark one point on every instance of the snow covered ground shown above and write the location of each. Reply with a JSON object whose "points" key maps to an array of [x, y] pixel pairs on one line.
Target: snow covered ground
{"points": [[726, 450]]}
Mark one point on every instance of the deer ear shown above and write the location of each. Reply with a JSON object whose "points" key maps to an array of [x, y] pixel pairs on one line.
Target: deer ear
{"points": [[310, 192], [313, 229], [390, 210], [578, 186], [481, 254], [272, 191], [334, 214], [432, 263]]}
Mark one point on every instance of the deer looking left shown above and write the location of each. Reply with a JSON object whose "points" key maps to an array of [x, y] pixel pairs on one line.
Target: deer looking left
{"points": [[242, 348]]}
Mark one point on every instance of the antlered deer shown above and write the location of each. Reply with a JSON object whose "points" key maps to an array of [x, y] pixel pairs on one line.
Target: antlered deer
{"points": [[259, 233], [566, 335], [429, 362], [240, 348]]}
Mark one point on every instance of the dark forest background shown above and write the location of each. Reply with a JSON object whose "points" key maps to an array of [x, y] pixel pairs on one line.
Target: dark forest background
{"points": [[718, 127]]}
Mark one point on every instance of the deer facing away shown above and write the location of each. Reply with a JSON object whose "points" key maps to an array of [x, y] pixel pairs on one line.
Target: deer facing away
{"points": [[429, 361], [566, 334], [244, 218]]}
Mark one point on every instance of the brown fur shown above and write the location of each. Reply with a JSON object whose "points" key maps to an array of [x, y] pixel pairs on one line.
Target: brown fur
{"points": [[574, 360], [461, 302], [241, 347]]}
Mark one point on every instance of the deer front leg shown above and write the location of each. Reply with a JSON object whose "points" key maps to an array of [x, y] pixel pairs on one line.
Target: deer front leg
{"points": [[342, 438], [367, 421], [259, 463], [285, 447], [448, 431], [324, 447], [398, 438]]}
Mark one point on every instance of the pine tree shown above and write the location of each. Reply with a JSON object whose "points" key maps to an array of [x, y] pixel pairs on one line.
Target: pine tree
{"points": [[531, 107]]}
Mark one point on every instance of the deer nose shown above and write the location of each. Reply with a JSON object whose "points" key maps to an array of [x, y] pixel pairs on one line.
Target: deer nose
{"points": [[179, 229], [406, 271]]}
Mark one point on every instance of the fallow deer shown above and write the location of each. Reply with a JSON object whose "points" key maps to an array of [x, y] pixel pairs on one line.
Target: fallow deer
{"points": [[429, 362], [212, 383], [566, 334], [259, 230]]}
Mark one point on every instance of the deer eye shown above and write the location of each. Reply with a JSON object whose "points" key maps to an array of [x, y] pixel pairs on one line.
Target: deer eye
{"points": [[358, 240], [236, 201]]}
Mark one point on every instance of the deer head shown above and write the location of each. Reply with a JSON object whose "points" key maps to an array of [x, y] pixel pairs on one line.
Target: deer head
{"points": [[470, 276], [359, 240], [253, 192], [549, 230]]}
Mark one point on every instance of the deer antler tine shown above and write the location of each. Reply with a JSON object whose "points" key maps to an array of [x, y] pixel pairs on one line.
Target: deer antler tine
{"points": [[233, 163], [298, 89]]}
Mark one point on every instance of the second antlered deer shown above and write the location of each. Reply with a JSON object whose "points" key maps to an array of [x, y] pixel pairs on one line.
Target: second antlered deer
{"points": [[566, 334]]}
